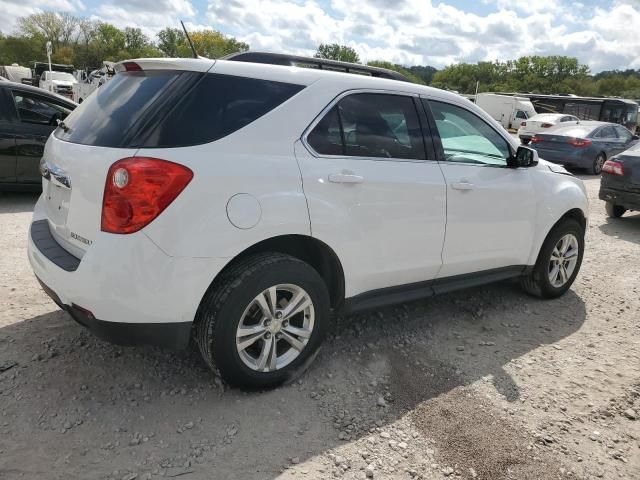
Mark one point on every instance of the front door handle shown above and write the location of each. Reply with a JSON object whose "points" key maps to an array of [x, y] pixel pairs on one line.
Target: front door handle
{"points": [[345, 177], [462, 185]]}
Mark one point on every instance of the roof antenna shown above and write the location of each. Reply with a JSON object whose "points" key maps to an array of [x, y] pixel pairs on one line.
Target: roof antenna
{"points": [[186, 34]]}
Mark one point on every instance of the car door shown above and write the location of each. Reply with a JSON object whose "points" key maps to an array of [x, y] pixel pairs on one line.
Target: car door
{"points": [[491, 207], [375, 193], [37, 118], [7, 138], [607, 140]]}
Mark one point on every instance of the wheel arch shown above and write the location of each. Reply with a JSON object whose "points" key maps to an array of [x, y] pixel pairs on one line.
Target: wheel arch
{"points": [[308, 249]]}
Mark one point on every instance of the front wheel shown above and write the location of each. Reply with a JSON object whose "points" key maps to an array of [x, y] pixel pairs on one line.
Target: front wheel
{"points": [[558, 262], [614, 211], [262, 322], [596, 168]]}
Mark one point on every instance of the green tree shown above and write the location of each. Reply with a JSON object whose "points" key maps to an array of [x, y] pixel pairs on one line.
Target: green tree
{"points": [[335, 51], [169, 39]]}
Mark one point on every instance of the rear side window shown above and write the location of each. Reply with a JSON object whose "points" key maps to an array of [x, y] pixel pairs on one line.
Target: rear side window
{"points": [[370, 125], [218, 106], [170, 108]]}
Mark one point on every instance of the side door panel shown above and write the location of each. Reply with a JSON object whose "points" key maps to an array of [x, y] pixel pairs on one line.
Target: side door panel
{"points": [[491, 209], [37, 115], [7, 140], [387, 227]]}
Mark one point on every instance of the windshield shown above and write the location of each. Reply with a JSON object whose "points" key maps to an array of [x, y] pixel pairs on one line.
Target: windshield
{"points": [[60, 76]]}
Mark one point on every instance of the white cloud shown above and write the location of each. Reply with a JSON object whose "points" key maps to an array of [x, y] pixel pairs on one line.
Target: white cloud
{"points": [[410, 32]]}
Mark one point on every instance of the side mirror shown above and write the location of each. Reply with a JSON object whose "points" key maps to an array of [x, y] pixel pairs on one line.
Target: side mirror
{"points": [[635, 137], [524, 157]]}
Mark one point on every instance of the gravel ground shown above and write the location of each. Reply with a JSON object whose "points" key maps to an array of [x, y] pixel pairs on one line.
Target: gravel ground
{"points": [[486, 383]]}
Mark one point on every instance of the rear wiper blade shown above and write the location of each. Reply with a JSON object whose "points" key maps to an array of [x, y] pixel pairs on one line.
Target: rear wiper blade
{"points": [[63, 125]]}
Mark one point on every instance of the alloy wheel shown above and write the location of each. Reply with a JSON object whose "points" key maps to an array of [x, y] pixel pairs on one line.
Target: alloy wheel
{"points": [[275, 328], [564, 258]]}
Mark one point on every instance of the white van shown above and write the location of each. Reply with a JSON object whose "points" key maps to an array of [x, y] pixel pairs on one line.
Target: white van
{"points": [[509, 110]]}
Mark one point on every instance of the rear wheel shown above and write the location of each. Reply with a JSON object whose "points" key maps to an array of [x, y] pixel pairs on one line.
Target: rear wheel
{"points": [[263, 321], [596, 168], [614, 211], [558, 262]]}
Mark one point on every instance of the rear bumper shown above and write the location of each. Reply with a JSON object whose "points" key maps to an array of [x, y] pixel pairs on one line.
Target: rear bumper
{"points": [[629, 200], [124, 289], [175, 335]]}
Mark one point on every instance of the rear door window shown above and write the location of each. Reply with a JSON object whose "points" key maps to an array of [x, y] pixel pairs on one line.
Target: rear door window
{"points": [[170, 108], [39, 110], [607, 133], [370, 125]]}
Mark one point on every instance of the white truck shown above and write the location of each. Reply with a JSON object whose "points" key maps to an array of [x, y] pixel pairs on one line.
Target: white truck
{"points": [[509, 110], [55, 78], [88, 81]]}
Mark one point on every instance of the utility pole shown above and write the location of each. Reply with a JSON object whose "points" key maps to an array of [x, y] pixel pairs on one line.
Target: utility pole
{"points": [[49, 51]]}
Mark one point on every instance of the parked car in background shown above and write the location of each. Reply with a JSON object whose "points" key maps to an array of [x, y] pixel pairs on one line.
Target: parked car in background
{"points": [[28, 115], [16, 73], [539, 122], [62, 83], [242, 203], [620, 182], [509, 111], [586, 145]]}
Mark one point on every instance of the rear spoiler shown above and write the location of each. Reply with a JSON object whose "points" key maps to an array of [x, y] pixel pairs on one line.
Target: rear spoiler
{"points": [[187, 64]]}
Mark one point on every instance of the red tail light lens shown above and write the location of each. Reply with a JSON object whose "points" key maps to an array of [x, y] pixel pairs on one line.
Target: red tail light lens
{"points": [[535, 139], [613, 167], [546, 125], [579, 142], [131, 67], [137, 190], [523, 124]]}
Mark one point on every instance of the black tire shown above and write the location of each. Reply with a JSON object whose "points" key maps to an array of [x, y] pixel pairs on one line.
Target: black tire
{"points": [[596, 167], [223, 305], [537, 282], [614, 211]]}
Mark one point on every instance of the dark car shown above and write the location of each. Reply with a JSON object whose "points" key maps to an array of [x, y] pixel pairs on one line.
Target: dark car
{"points": [[620, 182], [586, 145], [28, 115]]}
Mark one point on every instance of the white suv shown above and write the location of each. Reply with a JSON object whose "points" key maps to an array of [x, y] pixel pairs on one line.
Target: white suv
{"points": [[241, 204]]}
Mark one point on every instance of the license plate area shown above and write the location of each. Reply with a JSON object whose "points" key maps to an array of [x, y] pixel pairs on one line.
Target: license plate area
{"points": [[58, 205]]}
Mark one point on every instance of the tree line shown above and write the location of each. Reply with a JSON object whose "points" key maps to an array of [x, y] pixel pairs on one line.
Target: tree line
{"points": [[87, 43]]}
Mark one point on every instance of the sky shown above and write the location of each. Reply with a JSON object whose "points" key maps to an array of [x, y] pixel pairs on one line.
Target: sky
{"points": [[600, 33]]}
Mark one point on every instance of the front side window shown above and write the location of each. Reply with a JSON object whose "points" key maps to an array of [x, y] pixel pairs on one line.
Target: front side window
{"points": [[370, 125], [466, 138], [35, 109]]}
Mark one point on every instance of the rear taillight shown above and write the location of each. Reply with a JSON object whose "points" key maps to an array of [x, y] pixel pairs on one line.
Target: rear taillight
{"points": [[579, 142], [546, 125], [523, 124], [137, 190], [613, 167], [535, 139]]}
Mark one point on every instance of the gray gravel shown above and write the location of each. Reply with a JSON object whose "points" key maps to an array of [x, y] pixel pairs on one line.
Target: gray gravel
{"points": [[486, 383]]}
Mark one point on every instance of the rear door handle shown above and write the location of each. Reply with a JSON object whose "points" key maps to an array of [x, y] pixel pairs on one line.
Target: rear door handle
{"points": [[345, 177], [463, 185]]}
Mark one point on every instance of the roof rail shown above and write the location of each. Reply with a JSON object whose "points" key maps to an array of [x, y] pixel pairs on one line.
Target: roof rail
{"points": [[311, 62]]}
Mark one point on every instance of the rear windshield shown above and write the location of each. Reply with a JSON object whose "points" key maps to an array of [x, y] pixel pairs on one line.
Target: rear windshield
{"points": [[572, 131], [169, 108]]}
